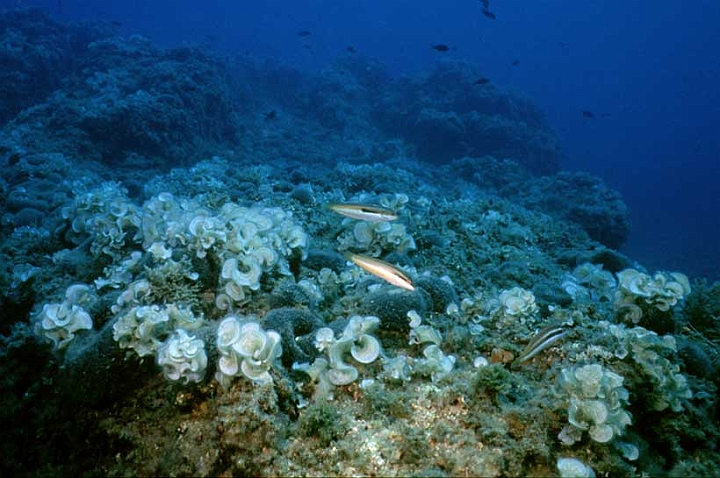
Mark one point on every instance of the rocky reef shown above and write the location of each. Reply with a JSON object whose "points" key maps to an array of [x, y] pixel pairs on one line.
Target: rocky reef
{"points": [[175, 300]]}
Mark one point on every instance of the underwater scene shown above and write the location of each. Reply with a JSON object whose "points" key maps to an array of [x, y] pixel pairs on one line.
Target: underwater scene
{"points": [[239, 261]]}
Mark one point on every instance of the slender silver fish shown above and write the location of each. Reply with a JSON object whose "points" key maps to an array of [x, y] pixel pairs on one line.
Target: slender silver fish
{"points": [[542, 340], [382, 269], [364, 212]]}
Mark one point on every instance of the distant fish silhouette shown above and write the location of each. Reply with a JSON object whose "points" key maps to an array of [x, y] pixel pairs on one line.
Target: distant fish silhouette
{"points": [[590, 114], [489, 14], [515, 62], [441, 47], [482, 81], [351, 49], [303, 33], [270, 115]]}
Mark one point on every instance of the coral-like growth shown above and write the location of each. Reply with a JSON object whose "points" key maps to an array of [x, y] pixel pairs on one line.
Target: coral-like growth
{"points": [[518, 302], [574, 468], [59, 322], [246, 349], [144, 328], [596, 403], [435, 363], [649, 351], [183, 357], [511, 307], [661, 291], [247, 242], [355, 341], [589, 281], [377, 238], [107, 216]]}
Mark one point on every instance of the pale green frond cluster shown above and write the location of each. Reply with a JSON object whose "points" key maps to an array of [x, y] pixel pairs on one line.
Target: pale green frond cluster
{"points": [[649, 351], [597, 401], [661, 291], [60, 322], [246, 349]]}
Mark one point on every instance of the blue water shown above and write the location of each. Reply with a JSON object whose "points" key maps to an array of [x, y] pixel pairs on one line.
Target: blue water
{"points": [[648, 71]]}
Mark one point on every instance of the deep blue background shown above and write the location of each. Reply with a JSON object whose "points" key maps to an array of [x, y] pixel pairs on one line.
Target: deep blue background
{"points": [[649, 70]]}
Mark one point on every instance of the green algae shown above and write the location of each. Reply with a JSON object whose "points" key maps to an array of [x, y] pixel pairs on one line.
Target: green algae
{"points": [[323, 421]]}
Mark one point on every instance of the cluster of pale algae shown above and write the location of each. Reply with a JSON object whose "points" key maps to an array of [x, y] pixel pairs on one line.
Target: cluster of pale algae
{"points": [[595, 396], [252, 242], [247, 242]]}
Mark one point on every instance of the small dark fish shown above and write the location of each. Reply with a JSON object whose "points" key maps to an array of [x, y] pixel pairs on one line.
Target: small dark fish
{"points": [[482, 81], [515, 62], [440, 47], [270, 115], [351, 49], [303, 33], [116, 24], [562, 44], [489, 14], [588, 114]]}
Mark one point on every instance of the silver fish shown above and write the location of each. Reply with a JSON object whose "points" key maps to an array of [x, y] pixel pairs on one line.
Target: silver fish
{"points": [[542, 340], [382, 269], [364, 212]]}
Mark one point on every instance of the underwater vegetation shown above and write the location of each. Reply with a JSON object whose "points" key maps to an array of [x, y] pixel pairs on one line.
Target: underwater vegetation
{"points": [[385, 278]]}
